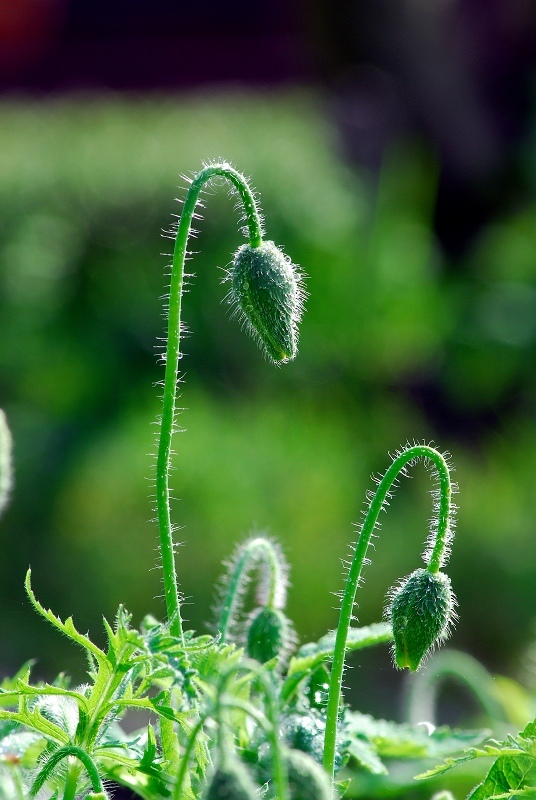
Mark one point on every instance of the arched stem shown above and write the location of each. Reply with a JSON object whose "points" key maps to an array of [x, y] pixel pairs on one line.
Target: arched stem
{"points": [[273, 580], [270, 724], [63, 752], [441, 530], [172, 363]]}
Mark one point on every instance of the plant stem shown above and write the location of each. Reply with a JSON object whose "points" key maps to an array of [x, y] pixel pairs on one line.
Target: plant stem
{"points": [[441, 530], [172, 363], [273, 579], [71, 783]]}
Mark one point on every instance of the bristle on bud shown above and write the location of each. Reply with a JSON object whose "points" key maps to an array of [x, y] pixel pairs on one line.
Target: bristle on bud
{"points": [[267, 291]]}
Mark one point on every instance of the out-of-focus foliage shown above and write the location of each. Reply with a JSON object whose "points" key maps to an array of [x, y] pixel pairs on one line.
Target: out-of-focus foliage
{"points": [[398, 342]]}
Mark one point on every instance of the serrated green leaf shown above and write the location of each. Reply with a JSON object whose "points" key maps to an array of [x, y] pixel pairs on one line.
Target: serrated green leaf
{"points": [[35, 721], [150, 751], [312, 655], [527, 791], [365, 754], [23, 674], [506, 773], [496, 749], [66, 627], [529, 731], [392, 740]]}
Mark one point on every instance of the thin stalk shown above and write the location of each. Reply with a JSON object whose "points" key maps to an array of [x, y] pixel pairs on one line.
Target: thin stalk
{"points": [[270, 726], [274, 579], [71, 783], [442, 535], [172, 364], [73, 774]]}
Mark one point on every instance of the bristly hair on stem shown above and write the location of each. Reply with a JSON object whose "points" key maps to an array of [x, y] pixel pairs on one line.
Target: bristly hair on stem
{"points": [[438, 602], [267, 289], [260, 554]]}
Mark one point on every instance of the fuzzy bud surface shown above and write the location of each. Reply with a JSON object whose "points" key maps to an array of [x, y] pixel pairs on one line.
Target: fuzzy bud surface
{"points": [[266, 289], [421, 611]]}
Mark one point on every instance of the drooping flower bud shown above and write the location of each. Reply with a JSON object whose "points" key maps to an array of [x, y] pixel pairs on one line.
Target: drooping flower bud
{"points": [[306, 779], [231, 781], [421, 611], [269, 634], [267, 290]]}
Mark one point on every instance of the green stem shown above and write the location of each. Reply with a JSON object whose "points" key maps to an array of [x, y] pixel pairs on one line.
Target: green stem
{"points": [[73, 773], [71, 784], [441, 531], [270, 725], [172, 363], [451, 665], [274, 579]]}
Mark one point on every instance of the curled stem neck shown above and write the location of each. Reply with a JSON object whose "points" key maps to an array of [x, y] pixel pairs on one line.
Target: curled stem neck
{"points": [[253, 219], [256, 552], [441, 533]]}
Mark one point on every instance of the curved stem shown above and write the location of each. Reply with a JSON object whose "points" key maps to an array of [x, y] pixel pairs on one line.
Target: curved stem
{"points": [[270, 725], [273, 579], [73, 775], [421, 700], [172, 363], [441, 531]]}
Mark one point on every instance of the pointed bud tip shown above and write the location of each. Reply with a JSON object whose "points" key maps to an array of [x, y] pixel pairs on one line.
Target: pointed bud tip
{"points": [[421, 611]]}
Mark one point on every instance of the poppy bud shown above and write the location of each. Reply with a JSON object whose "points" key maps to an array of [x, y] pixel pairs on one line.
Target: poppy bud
{"points": [[269, 634], [267, 291], [421, 610], [231, 781], [306, 779]]}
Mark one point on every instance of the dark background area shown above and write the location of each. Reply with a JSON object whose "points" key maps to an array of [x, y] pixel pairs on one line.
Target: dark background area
{"points": [[393, 144]]}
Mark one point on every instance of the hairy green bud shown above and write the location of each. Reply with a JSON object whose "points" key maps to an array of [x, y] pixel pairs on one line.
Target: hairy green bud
{"points": [[421, 611], [269, 634], [306, 779], [231, 781], [267, 291]]}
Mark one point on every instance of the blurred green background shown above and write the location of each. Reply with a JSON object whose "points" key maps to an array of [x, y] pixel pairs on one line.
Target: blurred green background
{"points": [[400, 341]]}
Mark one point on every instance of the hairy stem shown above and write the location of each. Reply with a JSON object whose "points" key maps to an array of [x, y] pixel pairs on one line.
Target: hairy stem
{"points": [[172, 363], [274, 579], [442, 532], [73, 774]]}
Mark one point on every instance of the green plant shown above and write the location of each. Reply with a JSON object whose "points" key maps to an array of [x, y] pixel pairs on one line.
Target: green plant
{"points": [[233, 711]]}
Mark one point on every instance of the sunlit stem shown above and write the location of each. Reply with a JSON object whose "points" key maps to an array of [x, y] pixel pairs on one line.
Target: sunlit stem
{"points": [[172, 364], [442, 535], [254, 552]]}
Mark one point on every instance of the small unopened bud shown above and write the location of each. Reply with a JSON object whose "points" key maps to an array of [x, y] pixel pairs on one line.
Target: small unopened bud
{"points": [[421, 611], [306, 779], [231, 781], [267, 290], [97, 796], [269, 634]]}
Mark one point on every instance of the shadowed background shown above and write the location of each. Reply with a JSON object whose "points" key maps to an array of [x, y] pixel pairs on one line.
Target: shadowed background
{"points": [[393, 145]]}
